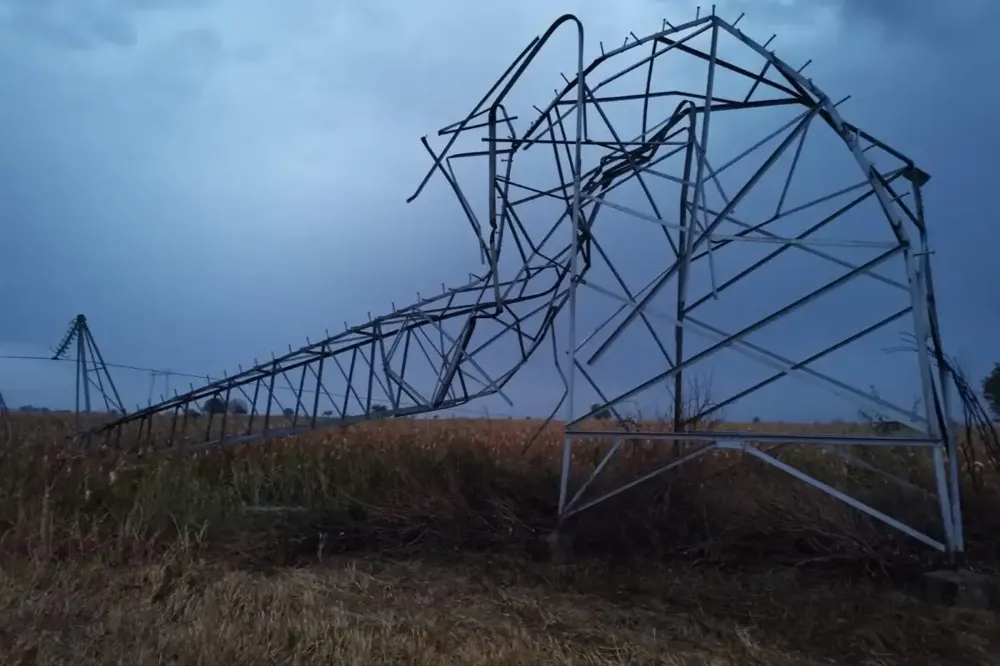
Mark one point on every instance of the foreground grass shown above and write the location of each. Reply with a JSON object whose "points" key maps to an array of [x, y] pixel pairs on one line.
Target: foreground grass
{"points": [[471, 611], [414, 543]]}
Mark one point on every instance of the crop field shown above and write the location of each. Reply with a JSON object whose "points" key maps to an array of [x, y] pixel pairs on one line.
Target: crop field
{"points": [[420, 542]]}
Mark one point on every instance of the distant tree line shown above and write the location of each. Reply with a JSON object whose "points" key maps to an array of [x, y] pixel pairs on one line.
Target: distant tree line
{"points": [[216, 405]]}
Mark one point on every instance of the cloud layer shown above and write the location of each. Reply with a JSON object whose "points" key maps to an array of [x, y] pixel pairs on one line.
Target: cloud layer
{"points": [[211, 179]]}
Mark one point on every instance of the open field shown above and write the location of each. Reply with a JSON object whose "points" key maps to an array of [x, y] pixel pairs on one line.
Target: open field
{"points": [[417, 542]]}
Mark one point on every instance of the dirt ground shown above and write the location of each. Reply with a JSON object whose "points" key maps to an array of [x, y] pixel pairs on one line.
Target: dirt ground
{"points": [[472, 610]]}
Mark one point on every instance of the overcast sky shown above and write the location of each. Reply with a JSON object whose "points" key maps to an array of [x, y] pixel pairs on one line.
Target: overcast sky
{"points": [[210, 180]]}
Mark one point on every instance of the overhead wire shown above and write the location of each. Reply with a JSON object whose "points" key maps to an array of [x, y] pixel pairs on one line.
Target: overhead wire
{"points": [[156, 371]]}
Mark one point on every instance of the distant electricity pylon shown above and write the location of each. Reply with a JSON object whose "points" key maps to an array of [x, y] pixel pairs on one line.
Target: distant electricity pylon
{"points": [[153, 376], [91, 369]]}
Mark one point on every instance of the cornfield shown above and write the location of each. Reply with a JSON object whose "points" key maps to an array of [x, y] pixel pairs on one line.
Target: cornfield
{"points": [[418, 542], [457, 483]]}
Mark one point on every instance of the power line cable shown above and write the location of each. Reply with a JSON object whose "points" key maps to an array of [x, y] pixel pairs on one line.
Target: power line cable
{"points": [[172, 373]]}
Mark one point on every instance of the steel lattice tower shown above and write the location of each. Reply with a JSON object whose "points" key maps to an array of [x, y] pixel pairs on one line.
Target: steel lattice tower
{"points": [[640, 158], [91, 370]]}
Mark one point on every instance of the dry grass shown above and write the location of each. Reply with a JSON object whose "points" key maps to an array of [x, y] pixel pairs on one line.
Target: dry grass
{"points": [[416, 542]]}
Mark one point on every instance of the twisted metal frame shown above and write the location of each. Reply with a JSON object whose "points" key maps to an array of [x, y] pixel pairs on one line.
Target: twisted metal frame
{"points": [[469, 341]]}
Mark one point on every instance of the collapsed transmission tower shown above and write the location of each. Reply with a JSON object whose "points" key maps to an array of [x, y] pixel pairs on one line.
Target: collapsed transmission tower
{"points": [[614, 217], [91, 370]]}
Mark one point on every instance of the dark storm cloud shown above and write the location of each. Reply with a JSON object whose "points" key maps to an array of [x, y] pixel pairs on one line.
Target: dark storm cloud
{"points": [[85, 24], [203, 178], [72, 25], [934, 24], [162, 4]]}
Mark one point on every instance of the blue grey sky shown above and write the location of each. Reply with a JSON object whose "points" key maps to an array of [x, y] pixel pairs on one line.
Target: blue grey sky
{"points": [[210, 180]]}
